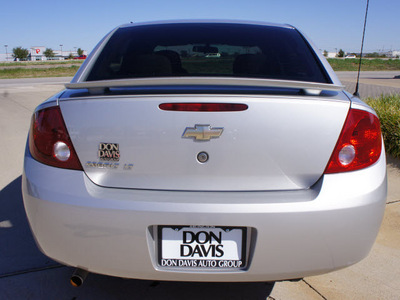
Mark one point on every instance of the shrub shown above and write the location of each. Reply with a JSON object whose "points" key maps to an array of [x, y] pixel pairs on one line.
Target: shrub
{"points": [[388, 110], [49, 53], [20, 53]]}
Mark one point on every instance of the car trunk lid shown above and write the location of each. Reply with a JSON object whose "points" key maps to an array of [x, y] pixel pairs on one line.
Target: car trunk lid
{"points": [[279, 142]]}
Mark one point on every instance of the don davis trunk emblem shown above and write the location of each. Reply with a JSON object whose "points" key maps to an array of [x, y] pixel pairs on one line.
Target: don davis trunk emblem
{"points": [[108, 152], [202, 132]]}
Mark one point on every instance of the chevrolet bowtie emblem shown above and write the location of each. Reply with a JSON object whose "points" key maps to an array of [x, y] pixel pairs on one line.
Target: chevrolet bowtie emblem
{"points": [[202, 132]]}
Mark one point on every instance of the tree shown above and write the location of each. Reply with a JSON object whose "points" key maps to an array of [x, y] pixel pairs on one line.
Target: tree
{"points": [[70, 56], [341, 53], [375, 55], [79, 51], [325, 53], [49, 53], [20, 53]]}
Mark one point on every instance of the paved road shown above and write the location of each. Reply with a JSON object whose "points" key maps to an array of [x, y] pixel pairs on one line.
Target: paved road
{"points": [[27, 274], [372, 84]]}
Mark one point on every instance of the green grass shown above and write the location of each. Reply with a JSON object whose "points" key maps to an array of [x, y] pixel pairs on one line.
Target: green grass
{"points": [[29, 64], [388, 110], [351, 64], [38, 72]]}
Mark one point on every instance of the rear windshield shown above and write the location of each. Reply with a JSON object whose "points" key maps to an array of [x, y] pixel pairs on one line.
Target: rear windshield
{"points": [[208, 49]]}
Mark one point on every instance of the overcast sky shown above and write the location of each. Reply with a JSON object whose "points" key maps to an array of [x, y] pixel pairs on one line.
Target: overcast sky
{"points": [[330, 24]]}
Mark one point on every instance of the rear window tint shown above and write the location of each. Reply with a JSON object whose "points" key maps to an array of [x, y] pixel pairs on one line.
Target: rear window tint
{"points": [[208, 49]]}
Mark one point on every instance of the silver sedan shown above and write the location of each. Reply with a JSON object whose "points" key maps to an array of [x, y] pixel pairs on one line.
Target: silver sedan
{"points": [[205, 151]]}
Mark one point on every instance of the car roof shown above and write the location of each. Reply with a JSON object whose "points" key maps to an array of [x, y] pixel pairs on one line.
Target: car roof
{"points": [[207, 21]]}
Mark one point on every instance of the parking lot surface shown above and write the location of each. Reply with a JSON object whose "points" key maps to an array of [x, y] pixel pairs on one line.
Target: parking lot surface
{"points": [[25, 273]]}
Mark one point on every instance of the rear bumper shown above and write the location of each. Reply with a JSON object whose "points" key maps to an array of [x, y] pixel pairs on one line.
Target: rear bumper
{"points": [[293, 234]]}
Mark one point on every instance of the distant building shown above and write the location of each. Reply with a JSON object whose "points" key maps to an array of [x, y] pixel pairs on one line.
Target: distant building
{"points": [[6, 57], [395, 53], [331, 55], [37, 54]]}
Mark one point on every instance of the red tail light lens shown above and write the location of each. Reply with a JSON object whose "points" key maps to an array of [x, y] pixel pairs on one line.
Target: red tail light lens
{"points": [[49, 141], [359, 144]]}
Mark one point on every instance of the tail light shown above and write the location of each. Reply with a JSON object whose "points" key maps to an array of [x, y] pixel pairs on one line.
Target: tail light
{"points": [[359, 144], [49, 141]]}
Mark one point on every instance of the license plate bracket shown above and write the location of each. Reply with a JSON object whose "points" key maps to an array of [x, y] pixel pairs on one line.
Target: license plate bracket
{"points": [[211, 247]]}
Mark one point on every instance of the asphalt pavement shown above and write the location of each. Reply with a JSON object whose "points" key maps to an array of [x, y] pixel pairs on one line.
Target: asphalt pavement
{"points": [[25, 273], [372, 84]]}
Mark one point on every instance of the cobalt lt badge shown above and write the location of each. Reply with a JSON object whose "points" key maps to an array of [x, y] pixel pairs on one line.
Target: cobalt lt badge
{"points": [[202, 132], [108, 152]]}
